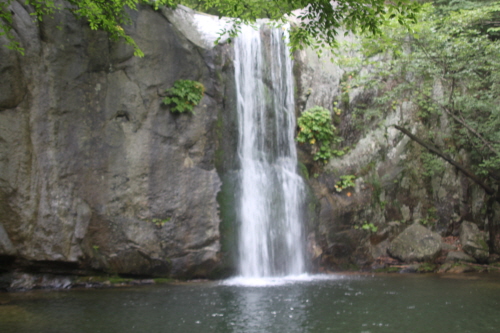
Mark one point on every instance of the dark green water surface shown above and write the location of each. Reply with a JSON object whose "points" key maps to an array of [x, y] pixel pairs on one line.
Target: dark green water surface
{"points": [[348, 304]]}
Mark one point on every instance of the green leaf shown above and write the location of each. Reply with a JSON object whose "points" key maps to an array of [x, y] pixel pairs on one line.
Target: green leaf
{"points": [[184, 96]]}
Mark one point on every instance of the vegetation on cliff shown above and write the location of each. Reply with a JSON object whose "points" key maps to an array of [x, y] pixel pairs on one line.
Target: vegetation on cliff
{"points": [[184, 96], [317, 130], [109, 16], [320, 21], [445, 67]]}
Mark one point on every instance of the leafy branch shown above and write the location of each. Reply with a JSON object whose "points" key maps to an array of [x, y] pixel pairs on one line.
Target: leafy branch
{"points": [[109, 16]]}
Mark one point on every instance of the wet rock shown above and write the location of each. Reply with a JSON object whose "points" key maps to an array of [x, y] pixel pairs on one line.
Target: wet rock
{"points": [[347, 248], [313, 248], [415, 243], [459, 269], [54, 282], [455, 256], [494, 258], [23, 282], [426, 268], [410, 269], [474, 241], [390, 231], [381, 240], [444, 267], [380, 250]]}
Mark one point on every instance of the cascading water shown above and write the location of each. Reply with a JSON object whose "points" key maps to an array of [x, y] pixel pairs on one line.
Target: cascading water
{"points": [[271, 237]]}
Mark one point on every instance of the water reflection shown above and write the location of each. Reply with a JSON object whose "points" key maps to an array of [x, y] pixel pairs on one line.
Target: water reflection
{"points": [[257, 309], [387, 304]]}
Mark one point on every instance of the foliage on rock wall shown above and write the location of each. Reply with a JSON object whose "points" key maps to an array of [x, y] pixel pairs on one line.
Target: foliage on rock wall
{"points": [[109, 16], [184, 96], [316, 129], [448, 67], [345, 182]]}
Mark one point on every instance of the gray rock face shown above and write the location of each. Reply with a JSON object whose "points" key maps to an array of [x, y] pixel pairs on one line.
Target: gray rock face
{"points": [[455, 256], [415, 243], [12, 85], [94, 170], [474, 241], [28, 281]]}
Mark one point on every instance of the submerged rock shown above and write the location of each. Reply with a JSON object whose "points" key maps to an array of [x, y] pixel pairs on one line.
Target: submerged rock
{"points": [[415, 243]]}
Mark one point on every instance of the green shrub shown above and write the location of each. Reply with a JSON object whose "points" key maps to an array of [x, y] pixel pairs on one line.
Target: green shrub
{"points": [[160, 222], [345, 181], [432, 164], [387, 270], [316, 128], [426, 268], [184, 96], [368, 227]]}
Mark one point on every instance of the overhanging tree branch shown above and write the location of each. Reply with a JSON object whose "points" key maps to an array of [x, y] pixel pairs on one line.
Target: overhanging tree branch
{"points": [[464, 123], [434, 150], [460, 120]]}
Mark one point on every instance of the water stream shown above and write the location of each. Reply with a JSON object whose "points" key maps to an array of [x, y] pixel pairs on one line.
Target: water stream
{"points": [[271, 238]]}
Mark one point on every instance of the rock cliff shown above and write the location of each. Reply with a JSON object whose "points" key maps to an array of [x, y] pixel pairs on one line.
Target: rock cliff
{"points": [[353, 227], [95, 173]]}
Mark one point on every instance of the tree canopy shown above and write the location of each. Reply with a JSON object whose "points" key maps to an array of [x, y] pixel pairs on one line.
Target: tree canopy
{"points": [[320, 20]]}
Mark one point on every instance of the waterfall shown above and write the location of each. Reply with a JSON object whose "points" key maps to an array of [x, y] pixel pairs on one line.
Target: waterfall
{"points": [[271, 242]]}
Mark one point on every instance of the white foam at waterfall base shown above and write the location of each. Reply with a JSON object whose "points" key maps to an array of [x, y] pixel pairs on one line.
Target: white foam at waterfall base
{"points": [[241, 281]]}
